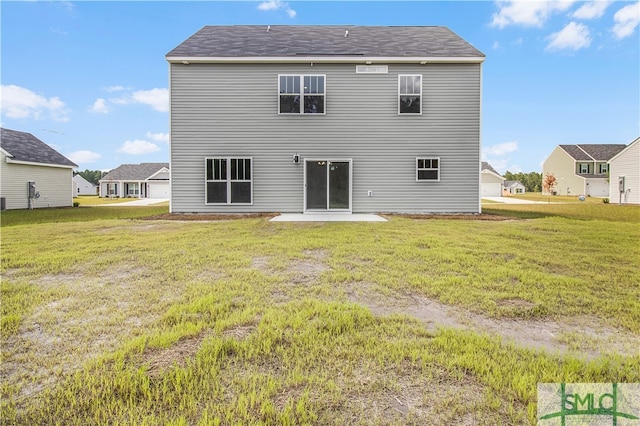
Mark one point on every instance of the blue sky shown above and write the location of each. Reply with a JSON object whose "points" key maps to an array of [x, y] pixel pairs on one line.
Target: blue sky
{"points": [[90, 78]]}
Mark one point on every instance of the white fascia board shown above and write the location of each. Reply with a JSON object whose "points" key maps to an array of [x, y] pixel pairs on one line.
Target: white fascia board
{"points": [[31, 163], [6, 153], [325, 59]]}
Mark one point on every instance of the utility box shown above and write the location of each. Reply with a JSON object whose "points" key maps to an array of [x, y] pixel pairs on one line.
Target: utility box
{"points": [[31, 188], [621, 183]]}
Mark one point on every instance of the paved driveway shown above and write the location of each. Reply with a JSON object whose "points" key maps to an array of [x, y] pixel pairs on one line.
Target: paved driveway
{"points": [[139, 202], [510, 200]]}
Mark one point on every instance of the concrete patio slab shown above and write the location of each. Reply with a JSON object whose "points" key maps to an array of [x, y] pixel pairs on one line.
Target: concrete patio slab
{"points": [[328, 217]]}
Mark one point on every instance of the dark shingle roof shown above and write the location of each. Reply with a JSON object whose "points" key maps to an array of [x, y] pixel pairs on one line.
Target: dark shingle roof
{"points": [[323, 40], [24, 146], [134, 172], [593, 152], [487, 166]]}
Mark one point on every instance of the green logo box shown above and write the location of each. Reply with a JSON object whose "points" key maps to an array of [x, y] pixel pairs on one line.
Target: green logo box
{"points": [[588, 404]]}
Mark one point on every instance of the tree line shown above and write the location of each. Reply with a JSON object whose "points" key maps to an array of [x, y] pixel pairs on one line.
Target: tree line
{"points": [[532, 181], [92, 176]]}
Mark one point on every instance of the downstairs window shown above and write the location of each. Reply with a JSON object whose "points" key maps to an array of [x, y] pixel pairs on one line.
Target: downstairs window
{"points": [[228, 181]]}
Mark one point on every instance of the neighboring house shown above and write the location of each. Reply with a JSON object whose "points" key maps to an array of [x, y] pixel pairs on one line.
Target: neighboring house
{"points": [[33, 175], [512, 187], [624, 172], [145, 180], [81, 186], [491, 181], [325, 118], [581, 169]]}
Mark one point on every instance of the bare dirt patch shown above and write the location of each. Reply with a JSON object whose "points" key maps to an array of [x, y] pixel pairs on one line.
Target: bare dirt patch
{"points": [[308, 269], [91, 314], [160, 360], [407, 395], [584, 335]]}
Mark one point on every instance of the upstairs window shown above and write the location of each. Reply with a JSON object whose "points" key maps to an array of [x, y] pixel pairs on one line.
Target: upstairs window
{"points": [[584, 168], [604, 168], [427, 169], [228, 181], [301, 94], [410, 94]]}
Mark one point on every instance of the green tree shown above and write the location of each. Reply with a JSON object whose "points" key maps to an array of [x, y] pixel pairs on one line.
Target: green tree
{"points": [[92, 176], [531, 181]]}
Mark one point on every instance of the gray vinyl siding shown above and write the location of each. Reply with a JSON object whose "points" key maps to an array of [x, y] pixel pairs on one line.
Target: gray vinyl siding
{"points": [[53, 183], [220, 110]]}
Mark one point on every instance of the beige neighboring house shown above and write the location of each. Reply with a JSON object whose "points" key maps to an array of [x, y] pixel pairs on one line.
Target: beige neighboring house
{"points": [[581, 169], [145, 180], [624, 172], [32, 174], [491, 181]]}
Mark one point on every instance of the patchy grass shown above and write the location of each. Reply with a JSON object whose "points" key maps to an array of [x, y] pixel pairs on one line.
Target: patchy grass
{"points": [[538, 196], [591, 212], [246, 321], [78, 214]]}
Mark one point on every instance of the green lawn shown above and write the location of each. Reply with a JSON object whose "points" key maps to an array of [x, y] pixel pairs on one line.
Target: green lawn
{"points": [[538, 196], [94, 200], [109, 318]]}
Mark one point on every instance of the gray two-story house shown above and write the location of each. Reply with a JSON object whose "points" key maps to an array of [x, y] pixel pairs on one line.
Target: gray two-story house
{"points": [[325, 118]]}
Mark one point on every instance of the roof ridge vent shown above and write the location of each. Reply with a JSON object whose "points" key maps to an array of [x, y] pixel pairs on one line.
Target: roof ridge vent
{"points": [[346, 33], [268, 28]]}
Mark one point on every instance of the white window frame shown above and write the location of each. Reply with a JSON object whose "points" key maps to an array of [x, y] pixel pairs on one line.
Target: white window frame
{"points": [[228, 179], [603, 168], [133, 188], [418, 169], [586, 166], [405, 93], [302, 95]]}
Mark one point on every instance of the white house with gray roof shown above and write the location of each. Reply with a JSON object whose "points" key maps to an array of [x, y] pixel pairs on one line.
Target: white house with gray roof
{"points": [[145, 180], [325, 118], [81, 186], [32, 174], [492, 182], [513, 187], [581, 169]]}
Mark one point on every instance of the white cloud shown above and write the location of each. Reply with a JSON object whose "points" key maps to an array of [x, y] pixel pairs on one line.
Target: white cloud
{"points": [[18, 102], [500, 149], [498, 155], [277, 5], [158, 99], [591, 10], [158, 137], [573, 36], [112, 89], [626, 20], [82, 157], [527, 13], [99, 106], [138, 147]]}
